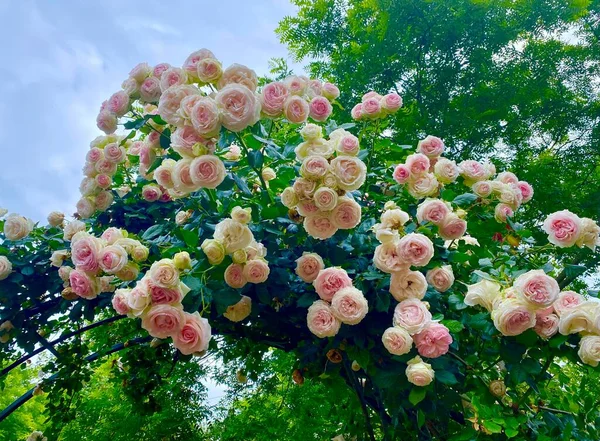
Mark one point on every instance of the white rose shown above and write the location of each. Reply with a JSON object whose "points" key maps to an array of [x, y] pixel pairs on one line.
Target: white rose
{"points": [[5, 267], [17, 227], [580, 318], [56, 218], [233, 235], [239, 311], [483, 293], [589, 350], [419, 373], [58, 257], [407, 284]]}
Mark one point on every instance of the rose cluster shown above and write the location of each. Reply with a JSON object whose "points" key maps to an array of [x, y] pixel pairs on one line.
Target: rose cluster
{"points": [[374, 106], [535, 301], [156, 299], [451, 225], [98, 262], [233, 238], [505, 188], [330, 169], [103, 158], [425, 171], [566, 229], [340, 302]]}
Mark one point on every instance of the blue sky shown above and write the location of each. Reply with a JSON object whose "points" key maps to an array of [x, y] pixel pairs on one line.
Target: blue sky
{"points": [[62, 58]]}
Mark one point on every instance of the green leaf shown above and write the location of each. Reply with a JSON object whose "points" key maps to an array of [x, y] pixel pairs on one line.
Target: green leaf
{"points": [[255, 159], [492, 427], [241, 184], [306, 300], [190, 237], [192, 283], [135, 124], [446, 377], [28, 271], [165, 139], [225, 298], [417, 394], [153, 231], [453, 325], [572, 271], [465, 199], [420, 418]]}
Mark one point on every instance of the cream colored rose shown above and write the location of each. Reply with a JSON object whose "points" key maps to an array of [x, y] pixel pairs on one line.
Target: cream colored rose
{"points": [[312, 131], [397, 341], [407, 284], [349, 305], [239, 311], [513, 317], [580, 318], [17, 227], [350, 172], [385, 235], [256, 271], [418, 372], [320, 225], [318, 147], [289, 198], [58, 257], [325, 198], [182, 260], [394, 218], [5, 267], [589, 235], [56, 219], [589, 350], [182, 217], [242, 215], [268, 174], [214, 250], [308, 266], [441, 278], [239, 256], [140, 252], [347, 213], [387, 259], [129, 272], [498, 388], [164, 274], [483, 293], [445, 170], [233, 235], [422, 186]]}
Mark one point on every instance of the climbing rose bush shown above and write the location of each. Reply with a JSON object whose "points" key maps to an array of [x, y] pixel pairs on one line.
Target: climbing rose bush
{"points": [[228, 214]]}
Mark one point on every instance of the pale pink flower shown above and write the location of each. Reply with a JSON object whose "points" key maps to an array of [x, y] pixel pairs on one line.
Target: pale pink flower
{"points": [[162, 321], [433, 341], [331, 280]]}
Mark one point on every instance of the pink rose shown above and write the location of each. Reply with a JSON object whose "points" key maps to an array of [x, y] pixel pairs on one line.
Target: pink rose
{"points": [[159, 69], [194, 336], [308, 208], [190, 65], [507, 178], [320, 108], [238, 74], [85, 253], [112, 234], [304, 188], [349, 305], [185, 141], [445, 170], [296, 85], [239, 107], [205, 117], [162, 296], [356, 111], [502, 212], [418, 164], [388, 259], [308, 266], [415, 249], [162, 174], [273, 97], [112, 259], [526, 190], [207, 171], [346, 214], [94, 155], [85, 207], [331, 280], [103, 200], [407, 284], [164, 273], [162, 321], [391, 102], [314, 167], [256, 271], [512, 317], [234, 276], [546, 325], [537, 288], [321, 321], [151, 193], [412, 315], [483, 188], [567, 300], [371, 107], [114, 153], [314, 88], [347, 145], [431, 146], [370, 94], [433, 341], [320, 226], [103, 181], [209, 70], [563, 228], [472, 171], [170, 102], [401, 174], [107, 122], [326, 199], [173, 76], [330, 91], [296, 109], [350, 172], [84, 285], [119, 302], [433, 210], [150, 90], [441, 278], [397, 341], [452, 227], [140, 72], [118, 103]]}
